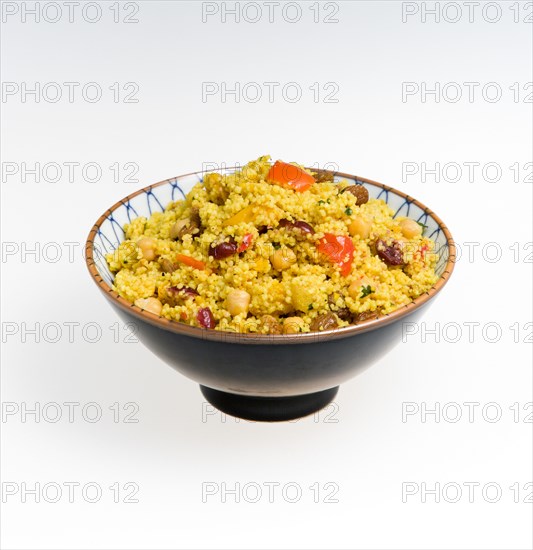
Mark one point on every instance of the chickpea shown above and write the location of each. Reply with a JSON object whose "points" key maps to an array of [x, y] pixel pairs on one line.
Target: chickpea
{"points": [[361, 227], [354, 290], [410, 228], [293, 325], [147, 246], [237, 301], [282, 258], [153, 305]]}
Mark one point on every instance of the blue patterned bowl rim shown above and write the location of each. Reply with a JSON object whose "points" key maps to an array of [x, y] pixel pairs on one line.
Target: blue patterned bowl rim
{"points": [[405, 205]]}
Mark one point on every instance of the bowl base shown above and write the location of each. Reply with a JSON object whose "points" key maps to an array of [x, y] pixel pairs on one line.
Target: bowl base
{"points": [[268, 409]]}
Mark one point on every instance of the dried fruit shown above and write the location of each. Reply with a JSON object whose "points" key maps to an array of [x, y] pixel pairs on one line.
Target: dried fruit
{"points": [[187, 226], [359, 192], [322, 176], [365, 316], [324, 321], [205, 318], [167, 266], [270, 325], [302, 226], [391, 254], [184, 290], [343, 313], [223, 250]]}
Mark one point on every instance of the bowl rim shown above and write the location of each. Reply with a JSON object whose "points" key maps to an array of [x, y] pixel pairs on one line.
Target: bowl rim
{"points": [[269, 339]]}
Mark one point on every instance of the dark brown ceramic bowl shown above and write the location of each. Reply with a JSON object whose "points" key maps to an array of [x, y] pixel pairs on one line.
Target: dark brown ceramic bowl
{"points": [[263, 377]]}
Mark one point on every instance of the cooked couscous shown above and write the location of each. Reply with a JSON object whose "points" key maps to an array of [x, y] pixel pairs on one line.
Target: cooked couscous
{"points": [[273, 249]]}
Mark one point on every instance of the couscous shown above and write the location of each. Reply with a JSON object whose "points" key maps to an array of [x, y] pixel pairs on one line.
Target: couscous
{"points": [[273, 248]]}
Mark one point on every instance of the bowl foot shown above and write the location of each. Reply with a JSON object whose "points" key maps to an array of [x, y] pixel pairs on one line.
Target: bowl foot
{"points": [[268, 409]]}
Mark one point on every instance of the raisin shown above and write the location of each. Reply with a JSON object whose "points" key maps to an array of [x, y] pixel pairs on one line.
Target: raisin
{"points": [[301, 226], [323, 175], [185, 290], [344, 314], [304, 227], [223, 250], [325, 321], [270, 324], [359, 192], [365, 316], [196, 222], [205, 318], [285, 223], [391, 254]]}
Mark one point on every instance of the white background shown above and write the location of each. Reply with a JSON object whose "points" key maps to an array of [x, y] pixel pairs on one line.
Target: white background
{"points": [[363, 445]]}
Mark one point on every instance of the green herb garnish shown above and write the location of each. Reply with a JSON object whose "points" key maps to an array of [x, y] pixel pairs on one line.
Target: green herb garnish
{"points": [[276, 246], [366, 290], [321, 202], [424, 227], [348, 211], [309, 307]]}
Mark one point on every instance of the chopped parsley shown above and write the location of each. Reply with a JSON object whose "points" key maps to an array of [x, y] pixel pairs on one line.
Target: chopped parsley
{"points": [[309, 307], [424, 227], [276, 246], [366, 290], [348, 211]]}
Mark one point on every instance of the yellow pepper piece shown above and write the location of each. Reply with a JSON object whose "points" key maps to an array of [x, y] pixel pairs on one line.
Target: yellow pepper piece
{"points": [[248, 214]]}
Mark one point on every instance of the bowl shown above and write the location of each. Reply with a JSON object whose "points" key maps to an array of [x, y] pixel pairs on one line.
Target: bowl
{"points": [[263, 377]]}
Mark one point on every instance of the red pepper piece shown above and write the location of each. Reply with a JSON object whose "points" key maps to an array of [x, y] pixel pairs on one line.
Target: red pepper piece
{"points": [[288, 175], [339, 250]]}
